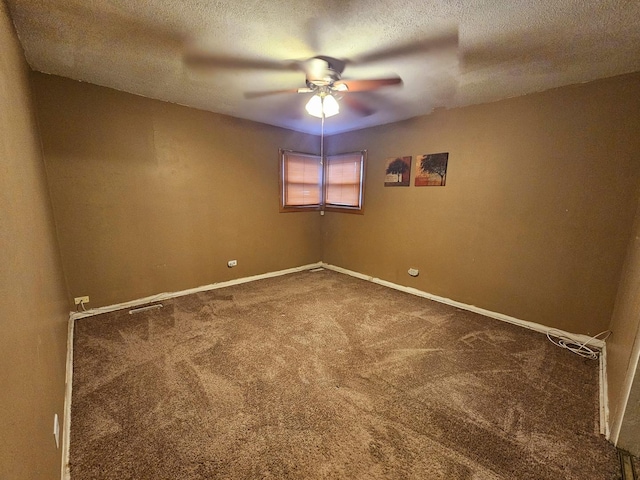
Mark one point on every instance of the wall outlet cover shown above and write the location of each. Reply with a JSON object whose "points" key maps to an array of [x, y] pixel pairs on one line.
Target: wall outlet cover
{"points": [[56, 430]]}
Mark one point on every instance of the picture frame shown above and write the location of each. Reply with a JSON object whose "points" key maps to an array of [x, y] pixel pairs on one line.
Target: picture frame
{"points": [[397, 172], [431, 170]]}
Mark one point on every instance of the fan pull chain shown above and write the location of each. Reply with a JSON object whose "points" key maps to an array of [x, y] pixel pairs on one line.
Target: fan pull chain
{"points": [[322, 140]]}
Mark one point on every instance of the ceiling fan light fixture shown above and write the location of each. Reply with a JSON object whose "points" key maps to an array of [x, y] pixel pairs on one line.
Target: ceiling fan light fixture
{"points": [[330, 106], [320, 105], [314, 106]]}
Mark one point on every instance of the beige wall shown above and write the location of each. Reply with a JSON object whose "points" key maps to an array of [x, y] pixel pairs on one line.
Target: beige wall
{"points": [[536, 214], [623, 348], [153, 197], [33, 309]]}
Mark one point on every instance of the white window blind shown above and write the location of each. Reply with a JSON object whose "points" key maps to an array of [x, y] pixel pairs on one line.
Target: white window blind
{"points": [[343, 181], [302, 179]]}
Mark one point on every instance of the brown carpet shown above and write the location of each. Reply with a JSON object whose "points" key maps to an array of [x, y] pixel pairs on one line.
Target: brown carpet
{"points": [[320, 375]]}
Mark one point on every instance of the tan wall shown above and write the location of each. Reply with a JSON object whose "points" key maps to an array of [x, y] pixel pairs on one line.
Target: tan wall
{"points": [[152, 197], [622, 351], [536, 214], [33, 309]]}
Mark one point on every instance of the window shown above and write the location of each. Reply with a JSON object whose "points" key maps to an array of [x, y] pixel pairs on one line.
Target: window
{"points": [[343, 184], [306, 185], [301, 180]]}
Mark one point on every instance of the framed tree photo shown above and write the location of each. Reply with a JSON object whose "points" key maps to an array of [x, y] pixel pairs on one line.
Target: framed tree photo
{"points": [[397, 172], [432, 170]]}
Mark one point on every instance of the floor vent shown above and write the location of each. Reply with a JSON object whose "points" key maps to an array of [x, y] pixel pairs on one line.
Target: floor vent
{"points": [[626, 465], [144, 309], [319, 269]]}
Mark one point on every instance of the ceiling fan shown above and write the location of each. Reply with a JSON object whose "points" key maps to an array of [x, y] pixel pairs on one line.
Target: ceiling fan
{"points": [[323, 74], [324, 80]]}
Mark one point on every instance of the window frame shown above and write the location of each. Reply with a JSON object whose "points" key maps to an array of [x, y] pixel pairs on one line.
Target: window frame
{"points": [[323, 166], [358, 209], [283, 182]]}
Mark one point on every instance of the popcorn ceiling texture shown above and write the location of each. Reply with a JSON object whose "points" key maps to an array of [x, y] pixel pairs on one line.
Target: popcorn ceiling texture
{"points": [[320, 375], [506, 49]]}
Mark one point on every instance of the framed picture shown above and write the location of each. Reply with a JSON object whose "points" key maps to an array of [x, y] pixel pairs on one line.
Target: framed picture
{"points": [[432, 170], [397, 172]]}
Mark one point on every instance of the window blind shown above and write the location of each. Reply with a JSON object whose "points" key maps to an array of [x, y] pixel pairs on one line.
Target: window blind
{"points": [[343, 180], [302, 175]]}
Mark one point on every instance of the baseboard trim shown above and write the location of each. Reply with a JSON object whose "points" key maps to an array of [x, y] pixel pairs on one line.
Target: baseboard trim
{"points": [[413, 291], [600, 344], [65, 473], [597, 343], [203, 288], [621, 409], [472, 308], [626, 465], [604, 395]]}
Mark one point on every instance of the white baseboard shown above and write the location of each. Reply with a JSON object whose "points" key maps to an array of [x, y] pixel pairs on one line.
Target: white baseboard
{"points": [[204, 288], [600, 344], [65, 473], [472, 308], [597, 343], [604, 394], [621, 409], [73, 316]]}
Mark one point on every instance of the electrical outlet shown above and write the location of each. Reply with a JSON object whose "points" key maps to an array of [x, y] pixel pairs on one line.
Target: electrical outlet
{"points": [[56, 430], [80, 300], [232, 263]]}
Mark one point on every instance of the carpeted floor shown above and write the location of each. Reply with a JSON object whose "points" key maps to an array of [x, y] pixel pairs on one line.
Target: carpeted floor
{"points": [[323, 376]]}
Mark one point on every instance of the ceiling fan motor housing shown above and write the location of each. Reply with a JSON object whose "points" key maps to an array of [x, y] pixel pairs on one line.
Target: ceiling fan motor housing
{"points": [[321, 72]]}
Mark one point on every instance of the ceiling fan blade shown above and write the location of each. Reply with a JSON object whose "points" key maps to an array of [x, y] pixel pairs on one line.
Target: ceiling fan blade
{"points": [[312, 28], [366, 85], [538, 57], [443, 40], [275, 92], [357, 106], [209, 60], [335, 63]]}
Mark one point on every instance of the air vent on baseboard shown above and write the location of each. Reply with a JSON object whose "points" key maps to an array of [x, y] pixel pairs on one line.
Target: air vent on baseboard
{"points": [[144, 309]]}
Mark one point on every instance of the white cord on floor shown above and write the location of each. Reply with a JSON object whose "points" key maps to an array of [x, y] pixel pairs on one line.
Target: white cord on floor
{"points": [[563, 340]]}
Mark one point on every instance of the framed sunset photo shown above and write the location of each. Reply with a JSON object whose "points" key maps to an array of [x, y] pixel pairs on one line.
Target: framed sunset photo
{"points": [[432, 170]]}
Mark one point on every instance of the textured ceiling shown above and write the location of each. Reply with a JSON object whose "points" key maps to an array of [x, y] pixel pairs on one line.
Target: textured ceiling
{"points": [[506, 48]]}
